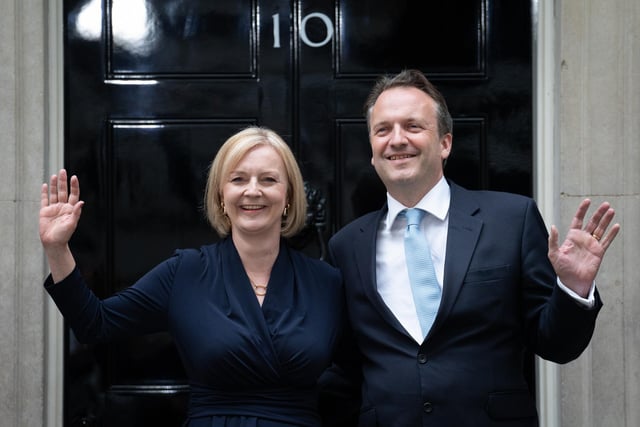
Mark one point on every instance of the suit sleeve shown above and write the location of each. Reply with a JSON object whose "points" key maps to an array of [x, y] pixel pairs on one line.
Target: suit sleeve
{"points": [[559, 328], [339, 386]]}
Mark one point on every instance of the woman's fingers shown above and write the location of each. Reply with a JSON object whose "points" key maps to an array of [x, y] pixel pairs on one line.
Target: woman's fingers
{"points": [[53, 190], [74, 196], [44, 196], [58, 191], [63, 194]]}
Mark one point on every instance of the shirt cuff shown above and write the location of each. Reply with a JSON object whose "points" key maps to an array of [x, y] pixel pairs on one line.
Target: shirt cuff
{"points": [[587, 302]]}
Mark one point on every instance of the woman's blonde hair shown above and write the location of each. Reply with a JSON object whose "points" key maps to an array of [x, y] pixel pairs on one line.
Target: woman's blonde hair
{"points": [[228, 157]]}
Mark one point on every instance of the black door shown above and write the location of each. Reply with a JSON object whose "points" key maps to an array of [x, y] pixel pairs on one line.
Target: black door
{"points": [[154, 87]]}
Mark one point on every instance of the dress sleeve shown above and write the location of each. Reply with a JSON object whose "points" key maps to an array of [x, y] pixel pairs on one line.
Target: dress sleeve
{"points": [[139, 309]]}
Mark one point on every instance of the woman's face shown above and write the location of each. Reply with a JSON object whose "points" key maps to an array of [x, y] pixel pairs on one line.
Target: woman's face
{"points": [[255, 193]]}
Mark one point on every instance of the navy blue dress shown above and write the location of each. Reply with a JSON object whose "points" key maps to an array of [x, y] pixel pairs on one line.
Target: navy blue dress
{"points": [[247, 365]]}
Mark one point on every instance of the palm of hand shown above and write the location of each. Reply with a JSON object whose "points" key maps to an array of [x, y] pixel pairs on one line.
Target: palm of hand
{"points": [[58, 221], [60, 208], [578, 259]]}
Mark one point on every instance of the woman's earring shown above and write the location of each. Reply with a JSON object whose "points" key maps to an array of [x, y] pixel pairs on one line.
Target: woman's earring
{"points": [[286, 210], [223, 208]]}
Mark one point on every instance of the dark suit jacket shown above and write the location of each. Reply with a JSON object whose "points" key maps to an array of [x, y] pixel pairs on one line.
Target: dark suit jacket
{"points": [[499, 298]]}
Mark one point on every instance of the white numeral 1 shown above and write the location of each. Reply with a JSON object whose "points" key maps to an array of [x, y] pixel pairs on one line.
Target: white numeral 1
{"points": [[276, 30]]}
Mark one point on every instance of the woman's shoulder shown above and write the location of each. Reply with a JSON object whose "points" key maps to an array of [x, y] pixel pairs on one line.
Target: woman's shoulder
{"points": [[197, 256], [315, 266], [203, 250]]}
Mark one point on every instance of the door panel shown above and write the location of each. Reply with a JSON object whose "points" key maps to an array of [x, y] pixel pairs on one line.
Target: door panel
{"points": [[154, 87], [181, 40], [442, 38]]}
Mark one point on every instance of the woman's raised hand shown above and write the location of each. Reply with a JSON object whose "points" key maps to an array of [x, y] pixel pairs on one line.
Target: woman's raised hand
{"points": [[60, 209]]}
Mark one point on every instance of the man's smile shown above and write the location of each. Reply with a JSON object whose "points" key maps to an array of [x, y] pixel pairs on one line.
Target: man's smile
{"points": [[400, 156]]}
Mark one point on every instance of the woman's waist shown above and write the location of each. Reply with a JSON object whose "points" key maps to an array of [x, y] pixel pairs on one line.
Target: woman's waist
{"points": [[286, 404]]}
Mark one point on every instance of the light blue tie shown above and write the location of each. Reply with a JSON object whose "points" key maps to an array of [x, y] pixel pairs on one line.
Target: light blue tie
{"points": [[422, 275]]}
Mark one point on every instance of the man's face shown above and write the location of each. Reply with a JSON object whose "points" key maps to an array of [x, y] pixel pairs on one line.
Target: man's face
{"points": [[407, 151]]}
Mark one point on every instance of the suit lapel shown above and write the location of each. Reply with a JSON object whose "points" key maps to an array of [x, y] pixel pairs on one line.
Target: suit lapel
{"points": [[463, 234], [365, 263]]}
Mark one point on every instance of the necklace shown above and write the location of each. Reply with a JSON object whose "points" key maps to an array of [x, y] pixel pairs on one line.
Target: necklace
{"points": [[259, 290]]}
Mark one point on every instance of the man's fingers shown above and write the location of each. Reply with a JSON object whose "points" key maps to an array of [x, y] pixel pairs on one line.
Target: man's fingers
{"points": [[600, 221], [578, 219], [553, 240], [608, 238], [595, 226]]}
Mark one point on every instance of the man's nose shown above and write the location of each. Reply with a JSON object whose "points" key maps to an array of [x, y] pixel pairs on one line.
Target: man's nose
{"points": [[398, 135]]}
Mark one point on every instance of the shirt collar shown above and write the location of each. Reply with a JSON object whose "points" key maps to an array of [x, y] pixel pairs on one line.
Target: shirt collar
{"points": [[436, 202]]}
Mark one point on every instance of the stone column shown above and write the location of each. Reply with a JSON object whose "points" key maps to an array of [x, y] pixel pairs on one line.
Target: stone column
{"points": [[598, 130], [23, 134]]}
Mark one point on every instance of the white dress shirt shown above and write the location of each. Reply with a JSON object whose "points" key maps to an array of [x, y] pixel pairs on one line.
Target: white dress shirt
{"points": [[391, 269], [392, 278]]}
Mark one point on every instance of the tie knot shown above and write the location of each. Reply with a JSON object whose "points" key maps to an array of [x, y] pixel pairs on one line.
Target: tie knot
{"points": [[414, 216]]}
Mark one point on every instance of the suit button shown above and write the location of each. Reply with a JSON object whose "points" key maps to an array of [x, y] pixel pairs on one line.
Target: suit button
{"points": [[422, 358], [427, 407]]}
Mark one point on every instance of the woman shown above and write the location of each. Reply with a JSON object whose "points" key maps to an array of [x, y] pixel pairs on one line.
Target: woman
{"points": [[254, 321]]}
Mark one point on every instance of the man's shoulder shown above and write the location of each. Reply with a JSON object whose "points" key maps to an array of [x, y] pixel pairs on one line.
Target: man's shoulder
{"points": [[488, 198], [360, 224]]}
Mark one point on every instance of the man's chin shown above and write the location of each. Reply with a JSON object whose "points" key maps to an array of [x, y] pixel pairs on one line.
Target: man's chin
{"points": [[400, 179]]}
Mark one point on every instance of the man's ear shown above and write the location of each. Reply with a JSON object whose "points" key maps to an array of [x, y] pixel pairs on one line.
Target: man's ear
{"points": [[446, 143]]}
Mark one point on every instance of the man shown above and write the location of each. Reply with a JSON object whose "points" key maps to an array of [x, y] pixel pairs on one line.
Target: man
{"points": [[503, 286]]}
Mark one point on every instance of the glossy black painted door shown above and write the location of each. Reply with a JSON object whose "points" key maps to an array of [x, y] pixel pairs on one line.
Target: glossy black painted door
{"points": [[154, 87]]}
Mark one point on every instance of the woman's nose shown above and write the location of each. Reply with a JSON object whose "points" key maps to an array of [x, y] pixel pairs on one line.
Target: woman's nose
{"points": [[253, 187]]}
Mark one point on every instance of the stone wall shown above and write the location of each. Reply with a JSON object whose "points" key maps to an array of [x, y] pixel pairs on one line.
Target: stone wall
{"points": [[598, 135]]}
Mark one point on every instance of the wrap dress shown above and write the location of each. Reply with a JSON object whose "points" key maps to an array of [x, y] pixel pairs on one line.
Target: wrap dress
{"points": [[247, 365]]}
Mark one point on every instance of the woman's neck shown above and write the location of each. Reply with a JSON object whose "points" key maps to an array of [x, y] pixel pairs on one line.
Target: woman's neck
{"points": [[257, 253]]}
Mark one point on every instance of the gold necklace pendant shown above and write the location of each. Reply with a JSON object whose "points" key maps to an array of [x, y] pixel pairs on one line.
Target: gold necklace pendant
{"points": [[259, 290]]}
